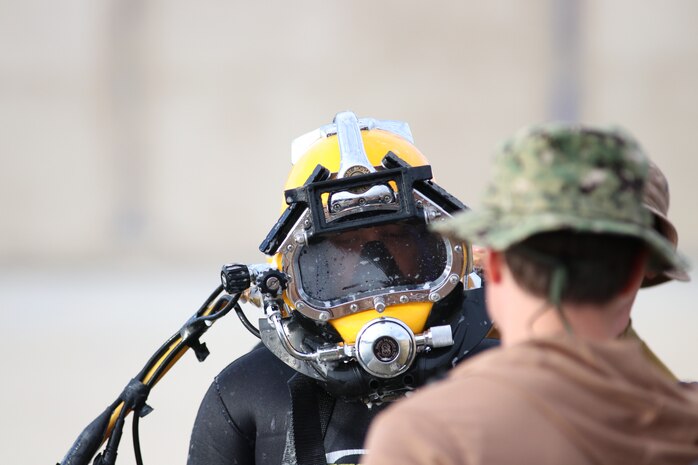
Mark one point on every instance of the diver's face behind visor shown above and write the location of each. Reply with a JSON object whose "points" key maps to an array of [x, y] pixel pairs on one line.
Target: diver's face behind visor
{"points": [[338, 268], [382, 269], [354, 242]]}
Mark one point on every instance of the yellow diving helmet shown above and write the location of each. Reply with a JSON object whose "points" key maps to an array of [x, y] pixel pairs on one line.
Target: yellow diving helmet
{"points": [[362, 270]]}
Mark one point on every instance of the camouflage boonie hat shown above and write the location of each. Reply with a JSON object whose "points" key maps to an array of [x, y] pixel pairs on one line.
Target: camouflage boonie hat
{"points": [[560, 177]]}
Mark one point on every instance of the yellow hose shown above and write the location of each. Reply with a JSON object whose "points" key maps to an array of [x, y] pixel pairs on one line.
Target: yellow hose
{"points": [[149, 375]]}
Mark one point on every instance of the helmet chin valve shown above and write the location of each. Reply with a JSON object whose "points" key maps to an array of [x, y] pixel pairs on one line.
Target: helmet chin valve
{"points": [[386, 347]]}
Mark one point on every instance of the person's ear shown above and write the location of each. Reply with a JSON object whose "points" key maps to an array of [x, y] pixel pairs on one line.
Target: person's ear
{"points": [[493, 265]]}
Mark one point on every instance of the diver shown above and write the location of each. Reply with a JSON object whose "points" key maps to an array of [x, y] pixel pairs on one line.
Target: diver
{"points": [[369, 304]]}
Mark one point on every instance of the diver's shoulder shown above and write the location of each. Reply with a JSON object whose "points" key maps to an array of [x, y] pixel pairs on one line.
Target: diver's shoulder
{"points": [[257, 368]]}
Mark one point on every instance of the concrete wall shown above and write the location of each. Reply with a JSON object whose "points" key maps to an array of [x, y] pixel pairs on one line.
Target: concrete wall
{"points": [[143, 144], [161, 131]]}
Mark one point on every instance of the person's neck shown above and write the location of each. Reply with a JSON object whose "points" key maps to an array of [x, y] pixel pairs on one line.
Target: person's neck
{"points": [[521, 316], [532, 317]]}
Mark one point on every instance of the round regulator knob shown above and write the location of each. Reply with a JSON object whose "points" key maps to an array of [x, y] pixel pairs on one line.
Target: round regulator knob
{"points": [[235, 278], [273, 282], [385, 347]]}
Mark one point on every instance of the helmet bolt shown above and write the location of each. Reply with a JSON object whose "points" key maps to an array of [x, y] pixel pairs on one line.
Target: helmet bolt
{"points": [[434, 297], [458, 248], [433, 214], [362, 201], [289, 247], [299, 238], [307, 224], [379, 304], [299, 305], [336, 207], [453, 279], [353, 307], [324, 316], [273, 283], [404, 299], [387, 199]]}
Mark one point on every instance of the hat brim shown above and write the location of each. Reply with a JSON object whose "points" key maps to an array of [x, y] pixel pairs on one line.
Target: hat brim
{"points": [[499, 231], [664, 276], [666, 229]]}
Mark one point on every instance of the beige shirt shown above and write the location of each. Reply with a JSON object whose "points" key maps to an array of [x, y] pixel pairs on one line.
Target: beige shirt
{"points": [[546, 401]]}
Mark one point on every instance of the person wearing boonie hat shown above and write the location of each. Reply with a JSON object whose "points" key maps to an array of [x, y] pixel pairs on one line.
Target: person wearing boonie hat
{"points": [[655, 199], [568, 243]]}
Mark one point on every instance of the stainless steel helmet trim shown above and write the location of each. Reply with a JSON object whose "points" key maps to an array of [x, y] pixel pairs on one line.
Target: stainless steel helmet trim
{"points": [[456, 264], [351, 146], [301, 144], [284, 339]]}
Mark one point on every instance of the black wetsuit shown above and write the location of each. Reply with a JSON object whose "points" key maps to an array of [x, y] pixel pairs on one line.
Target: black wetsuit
{"points": [[244, 417], [247, 415]]}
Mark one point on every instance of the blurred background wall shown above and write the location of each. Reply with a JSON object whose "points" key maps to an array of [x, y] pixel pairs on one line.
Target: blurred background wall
{"points": [[144, 144]]}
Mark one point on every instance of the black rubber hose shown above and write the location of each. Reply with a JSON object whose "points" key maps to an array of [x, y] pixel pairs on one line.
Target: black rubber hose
{"points": [[210, 299], [108, 457], [88, 442], [91, 438], [245, 322], [136, 440], [163, 348], [182, 345]]}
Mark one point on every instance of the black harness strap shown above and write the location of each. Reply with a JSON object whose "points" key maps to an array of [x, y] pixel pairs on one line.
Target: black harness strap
{"points": [[311, 411]]}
